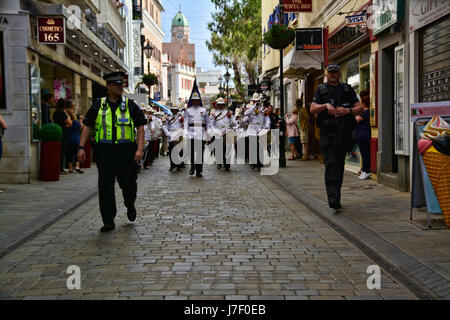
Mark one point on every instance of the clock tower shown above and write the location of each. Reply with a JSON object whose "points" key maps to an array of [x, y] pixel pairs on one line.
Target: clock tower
{"points": [[180, 28], [180, 49]]}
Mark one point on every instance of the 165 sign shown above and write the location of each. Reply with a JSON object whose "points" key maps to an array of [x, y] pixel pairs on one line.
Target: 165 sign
{"points": [[51, 30]]}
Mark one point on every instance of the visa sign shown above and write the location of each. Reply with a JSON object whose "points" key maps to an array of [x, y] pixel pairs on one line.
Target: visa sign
{"points": [[355, 20]]}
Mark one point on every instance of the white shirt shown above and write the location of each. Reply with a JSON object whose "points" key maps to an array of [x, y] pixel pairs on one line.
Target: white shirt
{"points": [[220, 122], [173, 128], [256, 120], [156, 125], [196, 123]]}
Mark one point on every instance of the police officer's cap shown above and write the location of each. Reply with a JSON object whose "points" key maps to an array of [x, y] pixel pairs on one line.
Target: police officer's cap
{"points": [[333, 67], [114, 77]]}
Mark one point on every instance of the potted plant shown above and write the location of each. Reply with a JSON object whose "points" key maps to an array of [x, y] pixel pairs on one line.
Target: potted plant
{"points": [[150, 79], [51, 135], [279, 36]]}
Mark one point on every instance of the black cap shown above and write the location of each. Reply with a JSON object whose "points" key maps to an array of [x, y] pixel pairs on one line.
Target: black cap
{"points": [[114, 77], [333, 67]]}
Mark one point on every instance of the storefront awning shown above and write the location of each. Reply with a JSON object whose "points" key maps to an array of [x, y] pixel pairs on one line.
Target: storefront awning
{"points": [[298, 63]]}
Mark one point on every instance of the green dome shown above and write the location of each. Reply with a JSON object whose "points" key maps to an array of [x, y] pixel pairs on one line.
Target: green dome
{"points": [[180, 21]]}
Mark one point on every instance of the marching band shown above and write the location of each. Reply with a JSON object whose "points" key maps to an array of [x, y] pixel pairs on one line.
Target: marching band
{"points": [[189, 131]]}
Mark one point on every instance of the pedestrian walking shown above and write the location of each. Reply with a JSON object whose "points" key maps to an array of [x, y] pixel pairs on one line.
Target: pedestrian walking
{"points": [[3, 127], [147, 159], [257, 122], [117, 147], [363, 135], [155, 134], [61, 118], [173, 131], [336, 104], [274, 118], [196, 123], [221, 121], [293, 133], [164, 150], [303, 122], [73, 141]]}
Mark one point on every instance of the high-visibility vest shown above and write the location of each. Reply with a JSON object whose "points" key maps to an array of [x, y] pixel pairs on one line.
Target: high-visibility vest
{"points": [[122, 122]]}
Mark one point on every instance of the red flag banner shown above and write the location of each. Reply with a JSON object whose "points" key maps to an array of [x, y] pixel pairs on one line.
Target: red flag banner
{"points": [[297, 5]]}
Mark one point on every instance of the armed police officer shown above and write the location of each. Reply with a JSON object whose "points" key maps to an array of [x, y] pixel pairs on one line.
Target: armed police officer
{"points": [[336, 104], [118, 147]]}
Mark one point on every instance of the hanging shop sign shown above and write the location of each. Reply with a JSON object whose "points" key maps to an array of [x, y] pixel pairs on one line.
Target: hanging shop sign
{"points": [[137, 49], [51, 30], [355, 20], [423, 12], [309, 39], [265, 85], [344, 37], [297, 5], [384, 14]]}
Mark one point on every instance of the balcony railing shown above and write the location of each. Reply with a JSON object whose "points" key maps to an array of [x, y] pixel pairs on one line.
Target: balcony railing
{"points": [[111, 19]]}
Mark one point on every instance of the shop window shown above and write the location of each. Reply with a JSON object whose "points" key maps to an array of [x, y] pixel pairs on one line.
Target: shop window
{"points": [[365, 56], [351, 75], [2, 75], [35, 101]]}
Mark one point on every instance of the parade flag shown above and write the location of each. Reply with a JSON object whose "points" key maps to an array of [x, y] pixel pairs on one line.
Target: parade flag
{"points": [[195, 89]]}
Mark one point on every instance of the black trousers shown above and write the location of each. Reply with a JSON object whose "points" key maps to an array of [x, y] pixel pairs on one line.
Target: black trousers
{"points": [[364, 148], [226, 160], [334, 159], [115, 161], [251, 141], [171, 146], [194, 155]]}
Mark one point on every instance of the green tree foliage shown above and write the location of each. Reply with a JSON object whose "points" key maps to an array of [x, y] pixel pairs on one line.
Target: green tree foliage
{"points": [[236, 37]]}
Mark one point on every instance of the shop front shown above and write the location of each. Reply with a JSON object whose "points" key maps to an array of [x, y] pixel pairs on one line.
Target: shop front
{"points": [[429, 58], [31, 66], [392, 118]]}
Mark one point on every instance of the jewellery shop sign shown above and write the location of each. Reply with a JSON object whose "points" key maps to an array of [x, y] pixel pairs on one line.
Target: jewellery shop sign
{"points": [[51, 30]]}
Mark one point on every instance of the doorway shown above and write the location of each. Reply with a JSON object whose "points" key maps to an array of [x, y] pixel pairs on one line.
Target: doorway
{"points": [[389, 160]]}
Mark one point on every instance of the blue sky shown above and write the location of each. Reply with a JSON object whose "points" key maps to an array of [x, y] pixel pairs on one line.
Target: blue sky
{"points": [[198, 14]]}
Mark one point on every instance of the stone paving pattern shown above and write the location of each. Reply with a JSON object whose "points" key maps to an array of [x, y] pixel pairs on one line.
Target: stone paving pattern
{"points": [[382, 210], [226, 236]]}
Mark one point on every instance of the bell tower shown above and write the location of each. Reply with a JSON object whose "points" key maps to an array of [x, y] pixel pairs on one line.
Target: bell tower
{"points": [[180, 28]]}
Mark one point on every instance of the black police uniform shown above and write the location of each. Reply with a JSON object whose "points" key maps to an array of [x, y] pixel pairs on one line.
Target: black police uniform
{"points": [[115, 160], [335, 135]]}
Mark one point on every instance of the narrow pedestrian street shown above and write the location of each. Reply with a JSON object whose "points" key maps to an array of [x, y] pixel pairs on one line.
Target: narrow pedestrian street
{"points": [[224, 236]]}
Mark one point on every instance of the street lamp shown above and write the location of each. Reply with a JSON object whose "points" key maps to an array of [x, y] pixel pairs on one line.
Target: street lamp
{"points": [[227, 78], [282, 160], [148, 50]]}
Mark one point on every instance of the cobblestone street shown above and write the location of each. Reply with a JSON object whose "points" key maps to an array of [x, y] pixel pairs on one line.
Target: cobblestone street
{"points": [[224, 236]]}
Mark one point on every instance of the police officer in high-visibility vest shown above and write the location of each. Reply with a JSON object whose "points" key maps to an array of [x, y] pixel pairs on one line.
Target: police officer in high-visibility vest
{"points": [[118, 124], [336, 104]]}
